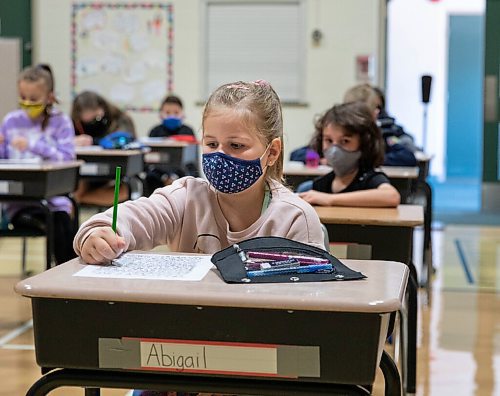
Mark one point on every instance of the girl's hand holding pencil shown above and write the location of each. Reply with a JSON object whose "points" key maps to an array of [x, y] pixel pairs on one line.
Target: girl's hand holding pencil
{"points": [[103, 245]]}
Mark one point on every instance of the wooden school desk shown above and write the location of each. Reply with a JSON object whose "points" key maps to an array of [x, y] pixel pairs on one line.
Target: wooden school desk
{"points": [[171, 153], [323, 336], [423, 162], [37, 182], [296, 172], [100, 164], [402, 178], [423, 188], [410, 181], [389, 232]]}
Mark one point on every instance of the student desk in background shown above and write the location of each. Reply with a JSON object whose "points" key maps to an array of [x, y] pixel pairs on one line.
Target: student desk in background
{"points": [[36, 182], [170, 154], [410, 181], [422, 189], [389, 232], [322, 336], [100, 164], [296, 172], [401, 177], [423, 163]]}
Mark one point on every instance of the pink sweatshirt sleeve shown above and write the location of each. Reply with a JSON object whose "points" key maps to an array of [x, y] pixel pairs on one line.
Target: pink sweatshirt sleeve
{"points": [[144, 223], [306, 227]]}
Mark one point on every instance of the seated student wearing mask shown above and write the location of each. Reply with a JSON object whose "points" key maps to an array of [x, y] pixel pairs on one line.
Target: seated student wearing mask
{"points": [[352, 145], [396, 154], [389, 127], [172, 126], [95, 118], [172, 117]]}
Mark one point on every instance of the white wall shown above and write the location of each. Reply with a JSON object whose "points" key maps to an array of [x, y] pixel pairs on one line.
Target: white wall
{"points": [[349, 27], [417, 44]]}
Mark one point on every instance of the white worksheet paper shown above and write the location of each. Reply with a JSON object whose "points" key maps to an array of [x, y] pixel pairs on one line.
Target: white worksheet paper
{"points": [[152, 266]]}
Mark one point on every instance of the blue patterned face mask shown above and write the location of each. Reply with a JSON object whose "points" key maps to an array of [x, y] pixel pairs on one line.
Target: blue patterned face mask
{"points": [[230, 175]]}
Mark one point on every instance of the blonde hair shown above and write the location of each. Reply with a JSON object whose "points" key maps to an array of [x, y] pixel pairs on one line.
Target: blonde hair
{"points": [[259, 106], [363, 93]]}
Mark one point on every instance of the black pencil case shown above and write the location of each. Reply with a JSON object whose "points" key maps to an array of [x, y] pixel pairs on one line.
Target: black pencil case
{"points": [[232, 268]]}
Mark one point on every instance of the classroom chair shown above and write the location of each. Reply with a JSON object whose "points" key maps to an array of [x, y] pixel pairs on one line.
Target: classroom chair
{"points": [[326, 239], [9, 231]]}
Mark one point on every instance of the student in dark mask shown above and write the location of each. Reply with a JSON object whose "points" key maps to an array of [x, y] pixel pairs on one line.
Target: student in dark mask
{"points": [[94, 118]]}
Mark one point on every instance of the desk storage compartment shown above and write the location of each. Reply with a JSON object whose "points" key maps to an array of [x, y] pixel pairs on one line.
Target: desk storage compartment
{"points": [[131, 165], [40, 184], [171, 156], [68, 331]]}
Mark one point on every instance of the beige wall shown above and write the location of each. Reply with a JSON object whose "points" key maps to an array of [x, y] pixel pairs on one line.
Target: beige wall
{"points": [[349, 27], [10, 65]]}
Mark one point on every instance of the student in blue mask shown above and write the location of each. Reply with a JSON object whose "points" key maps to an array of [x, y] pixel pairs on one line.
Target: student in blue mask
{"points": [[172, 118], [242, 196], [351, 143]]}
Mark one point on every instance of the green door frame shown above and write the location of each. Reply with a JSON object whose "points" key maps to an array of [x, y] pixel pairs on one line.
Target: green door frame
{"points": [[491, 160], [15, 21]]}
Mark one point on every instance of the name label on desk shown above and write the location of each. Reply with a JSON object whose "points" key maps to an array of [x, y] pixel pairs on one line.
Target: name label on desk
{"points": [[209, 357], [218, 358], [94, 169], [157, 157], [11, 187]]}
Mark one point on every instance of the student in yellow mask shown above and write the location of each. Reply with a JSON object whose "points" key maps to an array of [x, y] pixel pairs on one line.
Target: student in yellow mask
{"points": [[39, 131]]}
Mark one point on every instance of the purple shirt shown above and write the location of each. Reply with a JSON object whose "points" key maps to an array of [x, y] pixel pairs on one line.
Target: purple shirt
{"points": [[54, 143]]}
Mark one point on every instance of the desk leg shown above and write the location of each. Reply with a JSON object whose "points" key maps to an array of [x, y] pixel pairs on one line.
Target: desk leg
{"points": [[92, 392], [427, 253], [49, 218], [391, 375], [76, 212], [411, 353], [382, 239]]}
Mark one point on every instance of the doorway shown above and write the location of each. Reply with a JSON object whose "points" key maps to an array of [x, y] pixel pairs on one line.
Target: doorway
{"points": [[462, 188]]}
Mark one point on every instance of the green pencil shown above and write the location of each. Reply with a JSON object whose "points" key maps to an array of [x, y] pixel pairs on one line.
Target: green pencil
{"points": [[117, 192]]}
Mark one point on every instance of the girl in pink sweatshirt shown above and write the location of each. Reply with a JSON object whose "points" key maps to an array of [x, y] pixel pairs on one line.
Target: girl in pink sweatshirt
{"points": [[242, 197]]}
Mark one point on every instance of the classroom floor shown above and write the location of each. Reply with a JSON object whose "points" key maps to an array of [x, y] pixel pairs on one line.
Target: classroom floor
{"points": [[459, 334]]}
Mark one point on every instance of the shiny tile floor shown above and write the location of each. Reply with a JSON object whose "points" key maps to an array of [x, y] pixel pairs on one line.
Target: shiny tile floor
{"points": [[459, 333]]}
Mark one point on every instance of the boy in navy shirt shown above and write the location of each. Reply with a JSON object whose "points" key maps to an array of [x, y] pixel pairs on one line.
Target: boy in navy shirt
{"points": [[172, 116]]}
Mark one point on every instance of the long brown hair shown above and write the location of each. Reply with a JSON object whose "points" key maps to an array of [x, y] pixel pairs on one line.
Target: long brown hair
{"points": [[118, 120]]}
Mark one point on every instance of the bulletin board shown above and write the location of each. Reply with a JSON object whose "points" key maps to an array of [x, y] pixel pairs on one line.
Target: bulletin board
{"points": [[124, 52]]}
